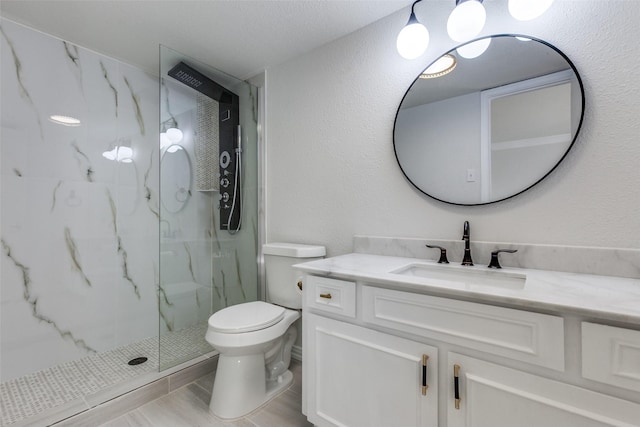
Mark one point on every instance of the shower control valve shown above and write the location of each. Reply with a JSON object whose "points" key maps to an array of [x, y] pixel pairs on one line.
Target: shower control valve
{"points": [[225, 159], [224, 182], [225, 197]]}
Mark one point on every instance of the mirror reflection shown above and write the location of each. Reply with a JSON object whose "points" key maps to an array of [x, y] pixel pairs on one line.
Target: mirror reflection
{"points": [[484, 128], [175, 185]]}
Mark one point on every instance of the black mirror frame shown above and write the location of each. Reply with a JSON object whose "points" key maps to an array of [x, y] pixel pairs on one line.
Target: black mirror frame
{"points": [[577, 132]]}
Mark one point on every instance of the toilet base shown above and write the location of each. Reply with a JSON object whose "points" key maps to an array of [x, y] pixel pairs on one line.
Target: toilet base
{"points": [[276, 387], [240, 386]]}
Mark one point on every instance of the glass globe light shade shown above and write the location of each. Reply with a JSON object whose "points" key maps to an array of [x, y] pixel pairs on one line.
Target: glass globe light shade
{"points": [[174, 135], [475, 49], [525, 10], [164, 140], [466, 21], [412, 40], [125, 154], [111, 155]]}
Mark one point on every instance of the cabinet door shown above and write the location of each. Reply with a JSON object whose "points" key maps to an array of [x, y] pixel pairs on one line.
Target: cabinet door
{"points": [[611, 355], [495, 396], [358, 377]]}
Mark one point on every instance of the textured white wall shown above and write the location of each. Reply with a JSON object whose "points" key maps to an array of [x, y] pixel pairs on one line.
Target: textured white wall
{"points": [[331, 167]]}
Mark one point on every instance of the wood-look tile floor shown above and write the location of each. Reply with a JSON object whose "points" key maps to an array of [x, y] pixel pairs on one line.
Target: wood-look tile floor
{"points": [[189, 407]]}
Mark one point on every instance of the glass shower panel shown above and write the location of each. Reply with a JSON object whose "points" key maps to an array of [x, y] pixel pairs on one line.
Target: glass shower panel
{"points": [[208, 201]]}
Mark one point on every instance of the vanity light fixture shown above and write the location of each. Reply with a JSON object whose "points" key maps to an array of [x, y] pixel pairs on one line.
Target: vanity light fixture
{"points": [[174, 148], [467, 20], [474, 49], [174, 135], [125, 154], [443, 66], [526, 10], [64, 120], [170, 133], [164, 140], [413, 39], [119, 154], [170, 137]]}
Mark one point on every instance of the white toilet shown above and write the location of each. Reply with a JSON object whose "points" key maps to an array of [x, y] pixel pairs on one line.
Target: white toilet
{"points": [[255, 338]]}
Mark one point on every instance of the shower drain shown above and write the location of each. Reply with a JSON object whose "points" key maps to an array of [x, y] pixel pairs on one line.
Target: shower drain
{"points": [[137, 361]]}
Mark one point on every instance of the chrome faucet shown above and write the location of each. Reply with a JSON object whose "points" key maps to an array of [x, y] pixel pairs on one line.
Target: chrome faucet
{"points": [[466, 260]]}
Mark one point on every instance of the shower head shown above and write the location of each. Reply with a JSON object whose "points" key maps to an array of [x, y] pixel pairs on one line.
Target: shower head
{"points": [[198, 81]]}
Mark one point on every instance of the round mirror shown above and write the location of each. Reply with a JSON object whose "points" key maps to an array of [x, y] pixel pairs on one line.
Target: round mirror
{"points": [[175, 178], [488, 120]]}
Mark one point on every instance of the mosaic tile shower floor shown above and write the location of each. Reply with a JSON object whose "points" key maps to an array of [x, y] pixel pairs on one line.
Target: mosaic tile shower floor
{"points": [[31, 394]]}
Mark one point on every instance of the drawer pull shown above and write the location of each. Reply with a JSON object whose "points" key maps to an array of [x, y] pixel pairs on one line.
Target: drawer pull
{"points": [[300, 284], [327, 296], [456, 385], [424, 374]]}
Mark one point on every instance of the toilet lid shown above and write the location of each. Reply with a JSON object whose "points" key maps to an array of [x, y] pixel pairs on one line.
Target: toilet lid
{"points": [[247, 317]]}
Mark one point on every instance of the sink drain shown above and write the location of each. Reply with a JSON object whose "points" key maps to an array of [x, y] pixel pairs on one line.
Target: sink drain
{"points": [[137, 361]]}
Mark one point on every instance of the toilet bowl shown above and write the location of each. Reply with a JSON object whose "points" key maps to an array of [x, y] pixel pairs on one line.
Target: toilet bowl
{"points": [[255, 339]]}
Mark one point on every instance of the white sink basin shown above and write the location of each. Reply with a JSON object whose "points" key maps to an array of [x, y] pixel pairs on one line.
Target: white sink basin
{"points": [[467, 276]]}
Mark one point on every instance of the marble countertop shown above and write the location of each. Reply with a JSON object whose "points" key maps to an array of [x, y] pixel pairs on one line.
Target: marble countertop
{"points": [[605, 297]]}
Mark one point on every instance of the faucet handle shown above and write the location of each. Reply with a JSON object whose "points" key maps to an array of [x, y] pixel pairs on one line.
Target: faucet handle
{"points": [[494, 257], [443, 254]]}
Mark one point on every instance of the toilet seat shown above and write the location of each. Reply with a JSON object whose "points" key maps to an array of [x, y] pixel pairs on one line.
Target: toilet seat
{"points": [[246, 317]]}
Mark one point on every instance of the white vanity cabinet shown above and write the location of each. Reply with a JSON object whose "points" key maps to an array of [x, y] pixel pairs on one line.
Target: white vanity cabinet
{"points": [[611, 355], [364, 347], [494, 396], [355, 376], [361, 377]]}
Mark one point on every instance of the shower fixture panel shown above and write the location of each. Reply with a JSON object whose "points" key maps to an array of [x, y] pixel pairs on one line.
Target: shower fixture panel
{"points": [[203, 84], [230, 167], [230, 148]]}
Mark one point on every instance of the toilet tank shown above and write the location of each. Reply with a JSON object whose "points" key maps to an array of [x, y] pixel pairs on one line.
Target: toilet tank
{"points": [[281, 279]]}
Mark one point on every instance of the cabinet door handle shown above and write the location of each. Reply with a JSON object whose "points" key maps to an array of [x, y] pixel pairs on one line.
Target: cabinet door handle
{"points": [[456, 385], [327, 296], [425, 358]]}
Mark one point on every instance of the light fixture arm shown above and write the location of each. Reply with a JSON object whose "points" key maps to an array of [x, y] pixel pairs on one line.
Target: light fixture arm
{"points": [[412, 17]]}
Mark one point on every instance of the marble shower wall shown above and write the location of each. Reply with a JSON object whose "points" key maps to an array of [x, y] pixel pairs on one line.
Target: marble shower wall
{"points": [[79, 231]]}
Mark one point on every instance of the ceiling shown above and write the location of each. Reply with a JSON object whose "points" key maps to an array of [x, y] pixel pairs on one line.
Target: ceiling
{"points": [[238, 37], [507, 60]]}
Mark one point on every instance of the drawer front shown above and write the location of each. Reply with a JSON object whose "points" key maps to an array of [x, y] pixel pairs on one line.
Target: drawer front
{"points": [[331, 295], [521, 335], [611, 355]]}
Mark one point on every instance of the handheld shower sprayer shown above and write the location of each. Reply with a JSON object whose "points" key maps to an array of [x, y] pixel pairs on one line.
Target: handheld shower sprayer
{"points": [[237, 187]]}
